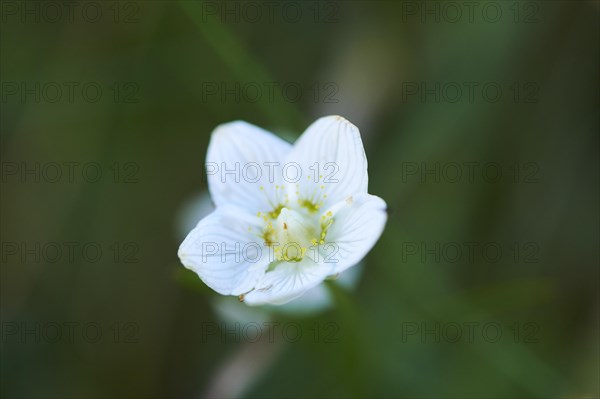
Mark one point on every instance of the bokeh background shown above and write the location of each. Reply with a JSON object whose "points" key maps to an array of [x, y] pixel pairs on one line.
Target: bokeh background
{"points": [[144, 327]]}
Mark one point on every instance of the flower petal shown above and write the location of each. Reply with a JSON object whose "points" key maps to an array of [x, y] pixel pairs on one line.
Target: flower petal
{"points": [[358, 224], [240, 161], [228, 257], [332, 160], [287, 281]]}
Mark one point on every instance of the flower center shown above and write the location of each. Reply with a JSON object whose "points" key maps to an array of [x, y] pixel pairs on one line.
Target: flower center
{"points": [[295, 233]]}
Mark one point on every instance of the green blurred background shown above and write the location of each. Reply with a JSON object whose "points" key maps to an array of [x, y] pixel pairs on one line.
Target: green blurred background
{"points": [[161, 66]]}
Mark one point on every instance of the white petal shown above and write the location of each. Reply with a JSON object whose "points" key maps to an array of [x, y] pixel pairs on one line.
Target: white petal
{"points": [[248, 153], [315, 300], [331, 154], [225, 255], [358, 224], [287, 281], [319, 298]]}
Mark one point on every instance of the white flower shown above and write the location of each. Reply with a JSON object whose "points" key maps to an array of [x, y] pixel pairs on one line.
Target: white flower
{"points": [[315, 300], [286, 217]]}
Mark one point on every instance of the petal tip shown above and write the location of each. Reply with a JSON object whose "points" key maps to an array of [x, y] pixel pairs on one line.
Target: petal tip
{"points": [[227, 127], [338, 119]]}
